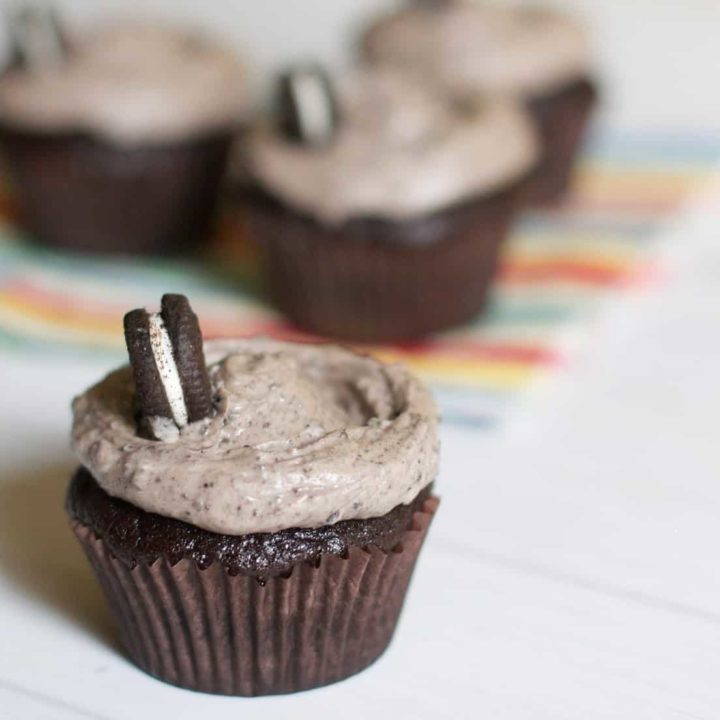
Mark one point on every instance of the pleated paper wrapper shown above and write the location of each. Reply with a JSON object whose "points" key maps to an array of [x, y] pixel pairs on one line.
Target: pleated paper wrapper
{"points": [[374, 281], [207, 630]]}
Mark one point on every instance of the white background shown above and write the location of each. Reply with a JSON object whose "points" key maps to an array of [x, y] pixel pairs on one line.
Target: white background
{"points": [[573, 569], [650, 52]]}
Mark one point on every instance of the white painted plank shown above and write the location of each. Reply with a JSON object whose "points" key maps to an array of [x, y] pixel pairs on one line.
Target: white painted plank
{"points": [[477, 640], [614, 480], [19, 703]]}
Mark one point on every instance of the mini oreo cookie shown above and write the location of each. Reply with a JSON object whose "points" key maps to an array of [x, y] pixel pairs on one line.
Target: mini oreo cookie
{"points": [[166, 354], [36, 35], [306, 106]]}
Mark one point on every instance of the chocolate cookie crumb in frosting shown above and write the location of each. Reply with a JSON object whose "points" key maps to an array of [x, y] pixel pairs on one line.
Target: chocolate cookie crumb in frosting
{"points": [[402, 150], [482, 46], [130, 83], [303, 436]]}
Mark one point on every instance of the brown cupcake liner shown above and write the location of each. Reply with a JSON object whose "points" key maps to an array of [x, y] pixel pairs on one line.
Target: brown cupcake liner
{"points": [[561, 120], [207, 630], [83, 194], [372, 280]]}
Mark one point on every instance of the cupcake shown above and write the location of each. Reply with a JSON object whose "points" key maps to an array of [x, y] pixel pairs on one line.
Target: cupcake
{"points": [[117, 140], [254, 513], [539, 55], [381, 205]]}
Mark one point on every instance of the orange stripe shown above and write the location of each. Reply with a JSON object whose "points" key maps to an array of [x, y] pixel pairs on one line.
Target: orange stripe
{"points": [[488, 352], [563, 271], [61, 311]]}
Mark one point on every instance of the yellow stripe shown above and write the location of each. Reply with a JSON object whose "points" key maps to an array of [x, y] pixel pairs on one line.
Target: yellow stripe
{"points": [[582, 243], [635, 190], [475, 373], [32, 327], [481, 373], [640, 179], [69, 319]]}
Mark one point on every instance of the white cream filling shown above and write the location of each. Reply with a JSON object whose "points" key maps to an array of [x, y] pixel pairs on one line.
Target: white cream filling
{"points": [[164, 429], [169, 376], [313, 106]]}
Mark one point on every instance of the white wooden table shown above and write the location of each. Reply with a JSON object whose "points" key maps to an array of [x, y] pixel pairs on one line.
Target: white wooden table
{"points": [[574, 568], [572, 571]]}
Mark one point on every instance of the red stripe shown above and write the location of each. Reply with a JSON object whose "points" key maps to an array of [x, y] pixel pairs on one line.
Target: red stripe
{"points": [[68, 306], [451, 348], [215, 328]]}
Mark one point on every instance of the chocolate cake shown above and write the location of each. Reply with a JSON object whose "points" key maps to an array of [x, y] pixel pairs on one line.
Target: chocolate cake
{"points": [[137, 537]]}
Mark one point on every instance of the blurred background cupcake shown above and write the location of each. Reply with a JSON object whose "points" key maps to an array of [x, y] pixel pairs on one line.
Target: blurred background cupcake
{"points": [[117, 139], [380, 207], [537, 54]]}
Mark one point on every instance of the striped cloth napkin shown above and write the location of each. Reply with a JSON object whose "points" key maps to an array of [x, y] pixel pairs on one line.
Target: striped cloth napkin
{"points": [[559, 270]]}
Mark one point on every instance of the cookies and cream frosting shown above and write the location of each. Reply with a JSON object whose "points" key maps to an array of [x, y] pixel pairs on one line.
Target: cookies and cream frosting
{"points": [[401, 150], [481, 46], [303, 436], [130, 83]]}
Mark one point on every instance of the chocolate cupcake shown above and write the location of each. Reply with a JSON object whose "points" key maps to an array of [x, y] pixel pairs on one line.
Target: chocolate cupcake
{"points": [[381, 216], [118, 139], [254, 526], [539, 55]]}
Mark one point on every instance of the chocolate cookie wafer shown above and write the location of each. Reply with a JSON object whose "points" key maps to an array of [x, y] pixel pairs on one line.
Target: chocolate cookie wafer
{"points": [[306, 106], [184, 330], [166, 354]]}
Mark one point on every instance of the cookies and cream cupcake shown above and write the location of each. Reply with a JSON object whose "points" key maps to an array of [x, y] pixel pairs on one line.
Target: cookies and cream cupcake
{"points": [[381, 208], [539, 55], [117, 138], [254, 512]]}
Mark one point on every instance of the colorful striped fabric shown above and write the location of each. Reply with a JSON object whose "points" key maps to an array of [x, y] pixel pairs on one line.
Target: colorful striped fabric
{"points": [[559, 269]]}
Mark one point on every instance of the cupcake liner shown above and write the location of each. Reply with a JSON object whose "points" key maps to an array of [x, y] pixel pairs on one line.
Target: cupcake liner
{"points": [[207, 630], [561, 120], [87, 195], [379, 280]]}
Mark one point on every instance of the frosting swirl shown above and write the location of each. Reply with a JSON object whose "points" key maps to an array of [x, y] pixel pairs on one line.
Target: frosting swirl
{"points": [[402, 150], [130, 83], [471, 47], [303, 436]]}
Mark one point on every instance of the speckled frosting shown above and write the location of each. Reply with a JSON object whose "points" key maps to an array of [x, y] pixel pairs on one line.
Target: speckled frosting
{"points": [[402, 150], [482, 46], [303, 436], [130, 83]]}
